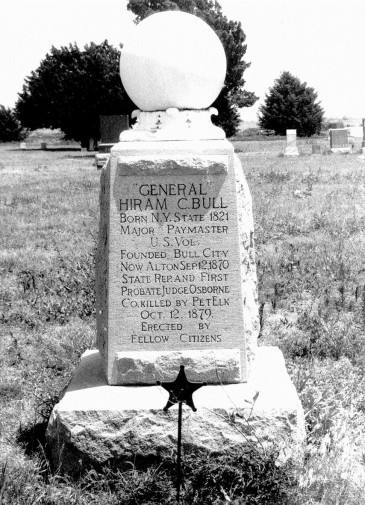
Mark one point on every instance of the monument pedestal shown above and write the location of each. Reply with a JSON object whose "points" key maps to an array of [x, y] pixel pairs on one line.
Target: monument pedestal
{"points": [[176, 274], [96, 424]]}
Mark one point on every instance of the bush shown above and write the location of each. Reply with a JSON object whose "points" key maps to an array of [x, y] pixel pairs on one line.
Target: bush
{"points": [[251, 132], [10, 128]]}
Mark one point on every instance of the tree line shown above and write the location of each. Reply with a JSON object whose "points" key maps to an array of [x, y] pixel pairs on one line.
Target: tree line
{"points": [[71, 88]]}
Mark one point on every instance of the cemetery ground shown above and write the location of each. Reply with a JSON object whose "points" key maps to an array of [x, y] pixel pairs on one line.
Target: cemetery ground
{"points": [[309, 216]]}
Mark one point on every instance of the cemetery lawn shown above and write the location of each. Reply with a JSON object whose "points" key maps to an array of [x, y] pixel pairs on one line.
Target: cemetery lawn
{"points": [[309, 216]]}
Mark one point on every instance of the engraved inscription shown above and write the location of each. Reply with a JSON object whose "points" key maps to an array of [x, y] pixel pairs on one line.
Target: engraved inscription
{"points": [[179, 272]]}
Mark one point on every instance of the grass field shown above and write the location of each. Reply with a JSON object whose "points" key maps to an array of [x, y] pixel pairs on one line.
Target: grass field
{"points": [[309, 216]]}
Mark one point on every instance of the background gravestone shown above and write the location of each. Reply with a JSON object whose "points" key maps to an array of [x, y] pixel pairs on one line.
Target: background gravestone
{"points": [[339, 140], [336, 125], [316, 149], [111, 127], [291, 143]]}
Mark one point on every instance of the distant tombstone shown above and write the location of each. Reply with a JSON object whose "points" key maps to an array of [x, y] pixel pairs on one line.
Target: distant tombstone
{"points": [[23, 146], [111, 127], [336, 125], [91, 146], [291, 143], [339, 140], [44, 146]]}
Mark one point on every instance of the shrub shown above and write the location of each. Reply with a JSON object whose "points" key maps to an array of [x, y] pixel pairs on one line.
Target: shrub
{"points": [[250, 132], [10, 128]]}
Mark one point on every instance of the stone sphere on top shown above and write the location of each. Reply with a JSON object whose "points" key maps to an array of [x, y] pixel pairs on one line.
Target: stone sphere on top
{"points": [[173, 60]]}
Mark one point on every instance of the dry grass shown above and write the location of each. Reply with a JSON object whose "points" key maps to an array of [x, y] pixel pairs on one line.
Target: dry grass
{"points": [[310, 218], [48, 205], [310, 221]]}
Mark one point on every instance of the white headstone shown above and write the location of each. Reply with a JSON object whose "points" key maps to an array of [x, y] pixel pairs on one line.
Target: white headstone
{"points": [[291, 143]]}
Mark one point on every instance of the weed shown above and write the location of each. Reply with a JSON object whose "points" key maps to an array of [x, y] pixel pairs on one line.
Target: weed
{"points": [[242, 478], [55, 296], [9, 391]]}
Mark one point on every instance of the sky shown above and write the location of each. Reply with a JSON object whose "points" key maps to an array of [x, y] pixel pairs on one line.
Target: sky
{"points": [[322, 42]]}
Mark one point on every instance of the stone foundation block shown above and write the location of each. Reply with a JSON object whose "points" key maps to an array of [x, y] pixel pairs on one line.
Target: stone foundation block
{"points": [[98, 424]]}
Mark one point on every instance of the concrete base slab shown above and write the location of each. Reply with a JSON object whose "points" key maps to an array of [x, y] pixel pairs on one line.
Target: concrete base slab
{"points": [[340, 150], [291, 151], [96, 424]]}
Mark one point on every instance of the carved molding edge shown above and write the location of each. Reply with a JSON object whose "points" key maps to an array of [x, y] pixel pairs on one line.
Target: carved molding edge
{"points": [[173, 124]]}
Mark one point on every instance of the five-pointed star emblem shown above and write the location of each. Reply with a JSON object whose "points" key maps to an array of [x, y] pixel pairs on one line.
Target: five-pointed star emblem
{"points": [[181, 390]]}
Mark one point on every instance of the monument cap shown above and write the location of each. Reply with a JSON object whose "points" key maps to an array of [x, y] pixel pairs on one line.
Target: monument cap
{"points": [[173, 60]]}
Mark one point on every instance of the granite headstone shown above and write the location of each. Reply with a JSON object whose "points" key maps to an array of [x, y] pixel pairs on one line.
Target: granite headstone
{"points": [[178, 242], [111, 127], [339, 140]]}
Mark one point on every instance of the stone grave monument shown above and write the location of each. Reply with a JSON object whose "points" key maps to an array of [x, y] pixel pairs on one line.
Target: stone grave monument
{"points": [[175, 275], [316, 149], [291, 143], [339, 140], [110, 129]]}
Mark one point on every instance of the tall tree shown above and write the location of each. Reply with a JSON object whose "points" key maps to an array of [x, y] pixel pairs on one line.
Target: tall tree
{"points": [[233, 96], [10, 128], [71, 88], [291, 104]]}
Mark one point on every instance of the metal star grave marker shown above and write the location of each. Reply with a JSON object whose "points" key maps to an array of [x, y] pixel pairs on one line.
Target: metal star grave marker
{"points": [[181, 391]]}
